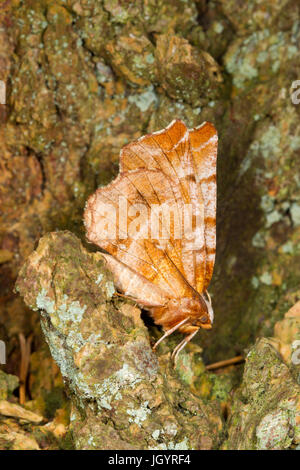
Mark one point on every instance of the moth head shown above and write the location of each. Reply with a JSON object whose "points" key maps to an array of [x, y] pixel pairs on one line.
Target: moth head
{"points": [[206, 316]]}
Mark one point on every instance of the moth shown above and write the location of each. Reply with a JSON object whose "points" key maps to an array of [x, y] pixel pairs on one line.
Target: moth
{"points": [[157, 224]]}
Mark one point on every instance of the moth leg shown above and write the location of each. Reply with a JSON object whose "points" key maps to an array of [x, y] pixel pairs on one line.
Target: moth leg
{"points": [[169, 332], [181, 345], [118, 294]]}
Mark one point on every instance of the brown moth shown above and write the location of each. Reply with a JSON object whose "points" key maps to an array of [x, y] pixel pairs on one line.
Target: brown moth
{"points": [[157, 223]]}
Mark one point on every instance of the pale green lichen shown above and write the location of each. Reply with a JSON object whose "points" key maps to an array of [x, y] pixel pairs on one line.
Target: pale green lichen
{"points": [[61, 355], [240, 65], [255, 282], [295, 214], [99, 279], [73, 312], [150, 58], [91, 441], [144, 100], [269, 142], [110, 388], [45, 303], [295, 142], [259, 240], [273, 430], [272, 218], [75, 340], [170, 429], [288, 247], [156, 434], [262, 56], [110, 289], [184, 367], [266, 278], [218, 27], [245, 164], [140, 414], [62, 349], [267, 203], [182, 445], [249, 56]]}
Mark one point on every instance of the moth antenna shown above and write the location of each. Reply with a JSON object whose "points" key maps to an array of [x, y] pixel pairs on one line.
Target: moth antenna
{"points": [[208, 296], [181, 345], [169, 332]]}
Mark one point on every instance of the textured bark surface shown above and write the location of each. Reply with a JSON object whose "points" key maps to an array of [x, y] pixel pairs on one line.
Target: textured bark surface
{"points": [[266, 409], [85, 77], [124, 396]]}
